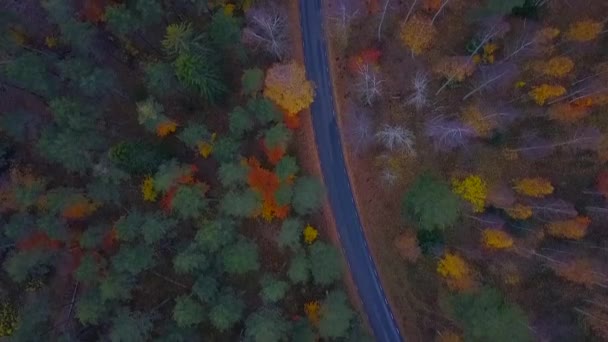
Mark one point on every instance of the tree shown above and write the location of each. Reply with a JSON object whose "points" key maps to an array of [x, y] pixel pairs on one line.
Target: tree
{"points": [[456, 272], [557, 67], [290, 234], [448, 134], [407, 246], [90, 308], [130, 326], [267, 325], [241, 121], [544, 92], [252, 81], [226, 311], [134, 259], [200, 74], [299, 269], [214, 235], [189, 201], [287, 86], [190, 260], [472, 189], [226, 149], [264, 110], [277, 136], [533, 187], [487, 316], [206, 288], [268, 29], [225, 30], [88, 270], [273, 289], [116, 286], [455, 68], [573, 229], [584, 31], [187, 312], [241, 204], [31, 72], [307, 195], [419, 97], [431, 204], [92, 81], [72, 139], [310, 234], [396, 138], [286, 167], [496, 239], [24, 264], [161, 79], [326, 263], [240, 257], [418, 34], [179, 38], [336, 316], [368, 84]]}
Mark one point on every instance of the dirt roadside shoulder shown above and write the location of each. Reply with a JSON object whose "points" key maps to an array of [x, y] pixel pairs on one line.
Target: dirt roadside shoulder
{"points": [[306, 150], [366, 205]]}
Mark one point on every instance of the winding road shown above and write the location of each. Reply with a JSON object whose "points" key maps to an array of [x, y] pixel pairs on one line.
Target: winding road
{"points": [[336, 179]]}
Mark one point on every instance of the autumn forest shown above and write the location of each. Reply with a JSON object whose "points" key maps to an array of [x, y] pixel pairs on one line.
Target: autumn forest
{"points": [[476, 137], [153, 185]]}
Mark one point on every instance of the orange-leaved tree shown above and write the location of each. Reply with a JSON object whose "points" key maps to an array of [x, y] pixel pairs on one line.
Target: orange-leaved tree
{"points": [[579, 271], [556, 66], [407, 246], [573, 229], [533, 187], [456, 271], [266, 183], [418, 34], [584, 30], [455, 68], [287, 86], [567, 113]]}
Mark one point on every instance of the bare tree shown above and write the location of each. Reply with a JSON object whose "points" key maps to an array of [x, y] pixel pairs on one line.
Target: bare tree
{"points": [[386, 3], [448, 134], [342, 20], [491, 30], [359, 129], [396, 138], [445, 2], [267, 28], [534, 147], [496, 78], [419, 98], [369, 84]]}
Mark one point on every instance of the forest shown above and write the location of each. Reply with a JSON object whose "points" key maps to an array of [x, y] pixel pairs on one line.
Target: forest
{"points": [[151, 187], [476, 140]]}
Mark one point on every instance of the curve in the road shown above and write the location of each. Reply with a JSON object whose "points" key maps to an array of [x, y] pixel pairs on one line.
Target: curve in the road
{"points": [[329, 146]]}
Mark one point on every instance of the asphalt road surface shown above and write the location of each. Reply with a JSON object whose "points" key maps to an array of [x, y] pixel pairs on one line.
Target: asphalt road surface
{"points": [[336, 178]]}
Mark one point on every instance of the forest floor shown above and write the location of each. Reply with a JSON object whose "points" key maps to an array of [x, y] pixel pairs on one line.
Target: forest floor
{"points": [[380, 230], [306, 152]]}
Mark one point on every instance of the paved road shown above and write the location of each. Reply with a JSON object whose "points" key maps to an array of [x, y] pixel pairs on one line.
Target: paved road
{"points": [[336, 179]]}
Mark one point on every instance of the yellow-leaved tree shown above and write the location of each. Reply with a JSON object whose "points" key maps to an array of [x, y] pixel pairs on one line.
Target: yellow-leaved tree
{"points": [[418, 34], [556, 66], [310, 234], [472, 189], [456, 272], [496, 239], [287, 86], [545, 92]]}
